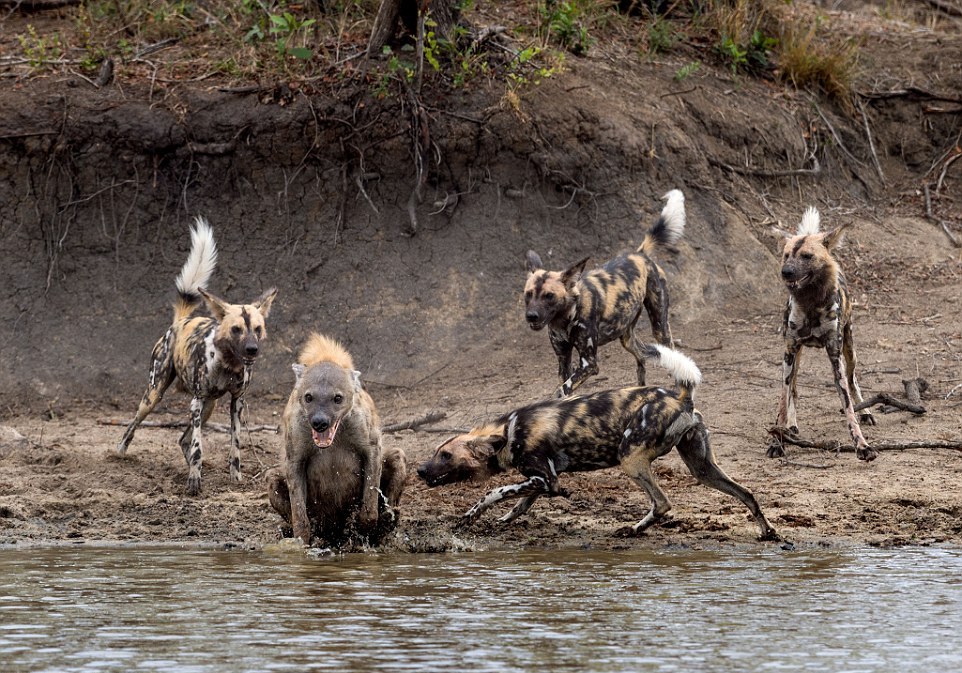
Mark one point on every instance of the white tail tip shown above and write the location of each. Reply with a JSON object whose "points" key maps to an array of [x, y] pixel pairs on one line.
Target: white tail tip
{"points": [[200, 263], [811, 222], [674, 215], [682, 368]]}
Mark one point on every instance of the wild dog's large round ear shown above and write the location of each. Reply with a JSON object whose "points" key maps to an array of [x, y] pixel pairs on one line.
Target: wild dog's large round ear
{"points": [[263, 303], [835, 236], [299, 370], [356, 378], [534, 261], [217, 306], [573, 273]]}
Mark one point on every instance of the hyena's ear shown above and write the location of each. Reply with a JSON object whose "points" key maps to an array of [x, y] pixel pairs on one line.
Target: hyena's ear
{"points": [[263, 303], [573, 273], [534, 261], [832, 238], [299, 370], [356, 379], [218, 307]]}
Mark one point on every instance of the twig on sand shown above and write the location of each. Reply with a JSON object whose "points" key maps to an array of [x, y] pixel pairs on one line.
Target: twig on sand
{"points": [[215, 427], [415, 423], [885, 398], [933, 218]]}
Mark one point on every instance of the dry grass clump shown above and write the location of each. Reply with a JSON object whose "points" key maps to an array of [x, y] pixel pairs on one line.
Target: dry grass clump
{"points": [[810, 61]]}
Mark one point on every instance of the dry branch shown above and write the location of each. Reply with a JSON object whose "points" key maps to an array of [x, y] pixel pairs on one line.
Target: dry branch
{"points": [[883, 398], [780, 435], [928, 214], [215, 427], [37, 5], [761, 173], [414, 423]]}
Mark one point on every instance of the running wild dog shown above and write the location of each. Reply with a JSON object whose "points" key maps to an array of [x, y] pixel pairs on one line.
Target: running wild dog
{"points": [[334, 469], [630, 427], [208, 357], [584, 311], [819, 314]]}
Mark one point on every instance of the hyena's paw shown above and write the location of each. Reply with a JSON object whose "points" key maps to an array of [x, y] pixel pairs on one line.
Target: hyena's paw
{"points": [[866, 453], [867, 419]]}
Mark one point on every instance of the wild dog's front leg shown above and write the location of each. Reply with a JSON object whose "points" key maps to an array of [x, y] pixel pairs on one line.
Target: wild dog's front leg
{"points": [[587, 366], [862, 450], [534, 486], [848, 351], [562, 348], [194, 452], [236, 407], [161, 375], [787, 418]]}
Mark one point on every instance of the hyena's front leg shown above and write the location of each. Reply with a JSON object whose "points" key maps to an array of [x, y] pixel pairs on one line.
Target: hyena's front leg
{"points": [[786, 418], [372, 466], [848, 351], [236, 407], [862, 450]]}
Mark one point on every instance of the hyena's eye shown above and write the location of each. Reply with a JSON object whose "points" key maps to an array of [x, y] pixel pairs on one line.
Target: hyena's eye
{"points": [[548, 296], [235, 330], [338, 398], [308, 398]]}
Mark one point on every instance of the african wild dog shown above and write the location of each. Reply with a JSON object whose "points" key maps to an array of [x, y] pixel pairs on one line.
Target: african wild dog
{"points": [[333, 465], [584, 311], [630, 427], [208, 357], [818, 313]]}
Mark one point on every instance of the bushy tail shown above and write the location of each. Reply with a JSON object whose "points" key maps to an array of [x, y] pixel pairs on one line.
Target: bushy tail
{"points": [[321, 348], [670, 225], [197, 269], [682, 368], [811, 222]]}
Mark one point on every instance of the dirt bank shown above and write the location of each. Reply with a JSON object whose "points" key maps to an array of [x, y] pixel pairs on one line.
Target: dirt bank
{"points": [[97, 187]]}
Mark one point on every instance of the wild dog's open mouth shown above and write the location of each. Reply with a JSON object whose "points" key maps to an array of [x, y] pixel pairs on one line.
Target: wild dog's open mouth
{"points": [[797, 283], [325, 439], [537, 325]]}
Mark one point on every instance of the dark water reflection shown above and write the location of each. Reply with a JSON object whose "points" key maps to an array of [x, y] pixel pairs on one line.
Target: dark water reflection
{"points": [[89, 609]]}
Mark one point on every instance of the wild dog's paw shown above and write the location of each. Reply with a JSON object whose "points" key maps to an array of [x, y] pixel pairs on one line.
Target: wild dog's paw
{"points": [[775, 449], [770, 536], [193, 485], [629, 531], [866, 453], [236, 477], [867, 419]]}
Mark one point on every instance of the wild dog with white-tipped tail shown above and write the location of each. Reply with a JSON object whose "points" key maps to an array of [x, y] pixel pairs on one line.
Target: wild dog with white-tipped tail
{"points": [[818, 314], [208, 357], [630, 427], [586, 310]]}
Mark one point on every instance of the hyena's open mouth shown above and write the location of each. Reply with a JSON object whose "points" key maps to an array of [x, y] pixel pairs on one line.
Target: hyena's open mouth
{"points": [[326, 438]]}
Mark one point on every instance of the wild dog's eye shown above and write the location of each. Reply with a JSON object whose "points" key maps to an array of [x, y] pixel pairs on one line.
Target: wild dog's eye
{"points": [[807, 255], [308, 398], [548, 296], [235, 329], [528, 294], [338, 398], [258, 331], [446, 455]]}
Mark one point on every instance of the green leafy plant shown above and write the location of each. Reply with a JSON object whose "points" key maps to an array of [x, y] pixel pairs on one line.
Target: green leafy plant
{"points": [[687, 70], [565, 23], [286, 28], [661, 36], [40, 51]]}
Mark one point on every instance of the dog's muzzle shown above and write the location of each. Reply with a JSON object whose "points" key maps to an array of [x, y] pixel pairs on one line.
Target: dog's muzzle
{"points": [[535, 321]]}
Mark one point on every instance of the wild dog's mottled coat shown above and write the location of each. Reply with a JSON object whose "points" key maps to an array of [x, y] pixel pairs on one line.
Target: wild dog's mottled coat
{"points": [[630, 427], [818, 314], [208, 357], [334, 467], [584, 311]]}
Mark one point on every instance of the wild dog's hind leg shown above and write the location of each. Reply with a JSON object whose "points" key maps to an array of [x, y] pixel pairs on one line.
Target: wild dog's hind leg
{"points": [[656, 304], [695, 450], [848, 351], [630, 343], [862, 450], [637, 451], [161, 375]]}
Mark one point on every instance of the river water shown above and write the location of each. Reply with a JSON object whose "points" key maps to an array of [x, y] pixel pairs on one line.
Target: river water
{"points": [[196, 610]]}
